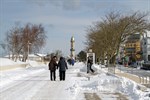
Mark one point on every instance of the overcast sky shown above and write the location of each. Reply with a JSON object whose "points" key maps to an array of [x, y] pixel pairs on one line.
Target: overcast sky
{"points": [[63, 18]]}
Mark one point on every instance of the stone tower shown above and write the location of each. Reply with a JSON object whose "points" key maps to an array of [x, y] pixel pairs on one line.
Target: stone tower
{"points": [[72, 50]]}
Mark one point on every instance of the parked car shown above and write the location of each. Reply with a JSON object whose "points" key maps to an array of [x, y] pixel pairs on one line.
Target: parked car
{"points": [[146, 65], [133, 64]]}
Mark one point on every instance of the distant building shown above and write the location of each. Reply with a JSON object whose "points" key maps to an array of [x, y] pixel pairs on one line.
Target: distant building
{"points": [[146, 47], [34, 57], [133, 46]]}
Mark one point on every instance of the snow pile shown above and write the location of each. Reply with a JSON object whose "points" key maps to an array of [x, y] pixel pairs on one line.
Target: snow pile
{"points": [[8, 63], [133, 90], [103, 82]]}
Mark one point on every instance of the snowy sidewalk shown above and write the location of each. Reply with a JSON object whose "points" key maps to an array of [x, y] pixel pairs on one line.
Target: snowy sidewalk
{"points": [[57, 90]]}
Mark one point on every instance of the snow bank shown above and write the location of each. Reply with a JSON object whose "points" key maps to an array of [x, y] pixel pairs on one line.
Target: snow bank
{"points": [[4, 62], [8, 64], [103, 82]]}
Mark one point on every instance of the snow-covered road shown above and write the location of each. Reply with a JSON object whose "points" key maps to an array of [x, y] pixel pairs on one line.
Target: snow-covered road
{"points": [[34, 84]]}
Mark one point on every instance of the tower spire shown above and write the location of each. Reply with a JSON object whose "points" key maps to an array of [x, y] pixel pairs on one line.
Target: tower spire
{"points": [[72, 50]]}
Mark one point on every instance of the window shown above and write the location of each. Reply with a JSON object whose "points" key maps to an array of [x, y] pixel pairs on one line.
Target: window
{"points": [[134, 45], [148, 57]]}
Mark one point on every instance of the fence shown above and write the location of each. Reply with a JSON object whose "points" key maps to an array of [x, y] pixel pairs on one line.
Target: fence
{"points": [[144, 80]]}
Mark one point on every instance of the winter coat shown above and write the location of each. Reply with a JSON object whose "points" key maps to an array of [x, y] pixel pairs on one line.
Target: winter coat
{"points": [[89, 62], [62, 65], [52, 65]]}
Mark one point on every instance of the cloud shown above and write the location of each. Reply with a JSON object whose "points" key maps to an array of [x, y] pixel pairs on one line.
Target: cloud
{"points": [[71, 4], [65, 4], [95, 5], [51, 26], [55, 20]]}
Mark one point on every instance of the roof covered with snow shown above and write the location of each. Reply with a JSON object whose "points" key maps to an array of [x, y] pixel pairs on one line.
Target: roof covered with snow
{"points": [[30, 55]]}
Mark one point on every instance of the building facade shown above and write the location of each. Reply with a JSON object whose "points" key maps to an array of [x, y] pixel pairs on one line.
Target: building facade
{"points": [[146, 47], [133, 47]]}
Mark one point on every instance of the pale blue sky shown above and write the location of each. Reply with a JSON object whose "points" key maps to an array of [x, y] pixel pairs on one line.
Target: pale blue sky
{"points": [[63, 18]]}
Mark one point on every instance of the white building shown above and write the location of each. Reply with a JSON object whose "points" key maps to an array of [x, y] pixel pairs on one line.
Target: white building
{"points": [[34, 57], [146, 46]]}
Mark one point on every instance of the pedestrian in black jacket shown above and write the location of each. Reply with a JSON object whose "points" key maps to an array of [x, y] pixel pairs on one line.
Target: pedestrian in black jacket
{"points": [[89, 65], [52, 67], [62, 65]]}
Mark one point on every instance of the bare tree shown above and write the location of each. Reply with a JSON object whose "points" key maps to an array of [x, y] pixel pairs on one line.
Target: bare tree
{"points": [[106, 36], [12, 42], [19, 38], [33, 39]]}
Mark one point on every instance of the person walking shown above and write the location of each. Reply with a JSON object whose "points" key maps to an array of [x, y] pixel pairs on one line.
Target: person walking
{"points": [[62, 65], [89, 65], [52, 67], [72, 62]]}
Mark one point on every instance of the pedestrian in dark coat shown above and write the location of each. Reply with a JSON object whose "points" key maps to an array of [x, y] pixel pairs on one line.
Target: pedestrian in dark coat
{"points": [[89, 65], [72, 62], [52, 67], [62, 65]]}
